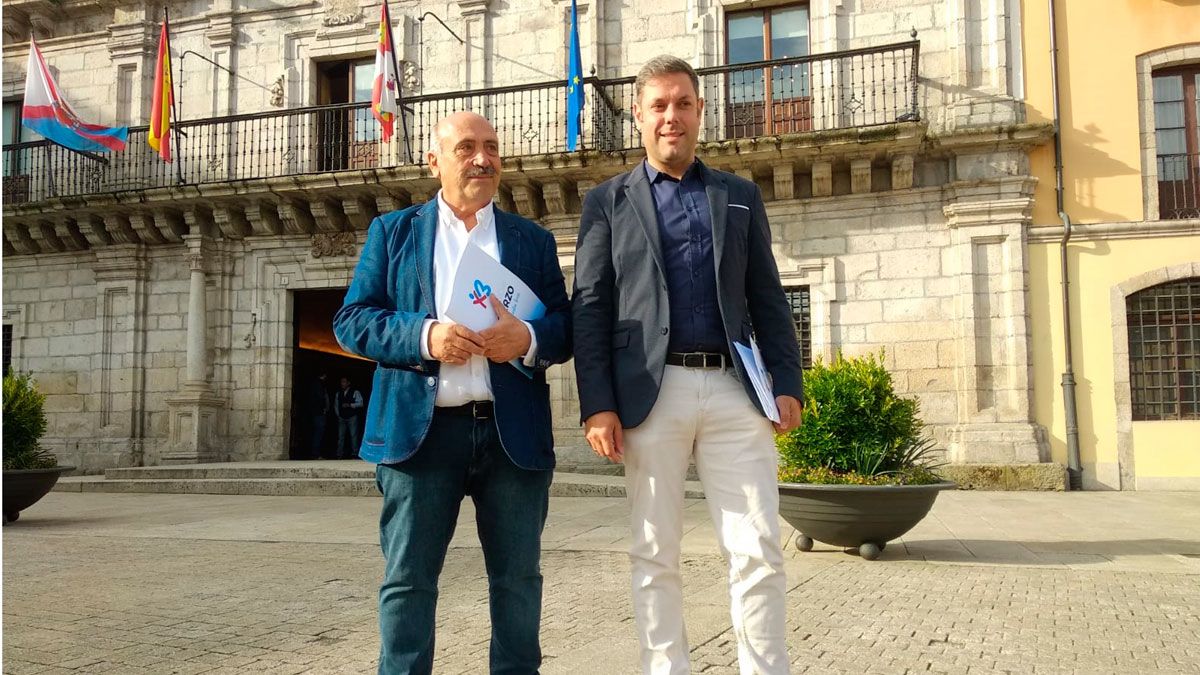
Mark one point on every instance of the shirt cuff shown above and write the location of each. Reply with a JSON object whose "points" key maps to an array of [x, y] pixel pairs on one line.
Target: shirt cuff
{"points": [[425, 327], [531, 355]]}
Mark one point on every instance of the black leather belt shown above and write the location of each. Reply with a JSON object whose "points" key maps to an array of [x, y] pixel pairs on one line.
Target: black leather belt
{"points": [[698, 360], [480, 410]]}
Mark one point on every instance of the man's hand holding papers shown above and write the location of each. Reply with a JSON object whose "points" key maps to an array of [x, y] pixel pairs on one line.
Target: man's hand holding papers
{"points": [[783, 411], [508, 338], [491, 300]]}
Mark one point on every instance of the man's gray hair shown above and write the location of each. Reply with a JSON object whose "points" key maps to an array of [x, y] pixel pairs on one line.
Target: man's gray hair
{"points": [[664, 64]]}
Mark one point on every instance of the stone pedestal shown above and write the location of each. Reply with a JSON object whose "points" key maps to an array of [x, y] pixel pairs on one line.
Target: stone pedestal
{"points": [[997, 443], [195, 418]]}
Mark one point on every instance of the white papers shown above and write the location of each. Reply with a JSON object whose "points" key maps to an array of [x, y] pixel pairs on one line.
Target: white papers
{"points": [[757, 371], [478, 277]]}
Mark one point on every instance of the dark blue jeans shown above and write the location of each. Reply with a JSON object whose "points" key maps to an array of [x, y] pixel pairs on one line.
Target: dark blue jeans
{"points": [[460, 456]]}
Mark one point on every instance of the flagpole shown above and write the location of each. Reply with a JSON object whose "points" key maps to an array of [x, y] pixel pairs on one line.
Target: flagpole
{"points": [[174, 102], [399, 83]]}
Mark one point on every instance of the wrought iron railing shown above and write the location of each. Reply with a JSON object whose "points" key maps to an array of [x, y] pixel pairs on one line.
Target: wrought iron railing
{"points": [[1179, 186], [857, 88]]}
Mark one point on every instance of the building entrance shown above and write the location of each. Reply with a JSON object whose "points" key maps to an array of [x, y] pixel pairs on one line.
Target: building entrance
{"points": [[315, 353]]}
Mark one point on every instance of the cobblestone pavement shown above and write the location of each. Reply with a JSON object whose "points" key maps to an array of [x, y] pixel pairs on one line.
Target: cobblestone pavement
{"points": [[193, 584]]}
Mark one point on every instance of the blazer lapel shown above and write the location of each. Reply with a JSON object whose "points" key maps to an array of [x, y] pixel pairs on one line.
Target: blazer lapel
{"points": [[718, 206], [637, 188], [508, 238], [426, 223]]}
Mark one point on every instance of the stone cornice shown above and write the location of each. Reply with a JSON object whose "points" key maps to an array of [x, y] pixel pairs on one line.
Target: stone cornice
{"points": [[1023, 137], [1139, 229], [988, 212], [121, 262], [473, 7]]}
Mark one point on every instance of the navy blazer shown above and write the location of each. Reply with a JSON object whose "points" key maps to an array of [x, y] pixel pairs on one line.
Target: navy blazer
{"points": [[390, 298], [621, 309]]}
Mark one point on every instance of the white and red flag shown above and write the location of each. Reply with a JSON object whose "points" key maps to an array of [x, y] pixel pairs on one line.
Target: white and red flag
{"points": [[383, 93], [48, 113]]}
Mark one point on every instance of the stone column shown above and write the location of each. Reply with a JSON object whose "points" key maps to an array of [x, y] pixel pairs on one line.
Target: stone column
{"points": [[197, 368], [988, 233], [196, 411]]}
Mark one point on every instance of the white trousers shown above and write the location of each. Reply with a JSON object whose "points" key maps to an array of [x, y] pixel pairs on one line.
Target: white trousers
{"points": [[707, 415]]}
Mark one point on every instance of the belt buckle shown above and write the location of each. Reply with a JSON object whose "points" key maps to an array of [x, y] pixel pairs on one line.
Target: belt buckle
{"points": [[693, 360], [476, 412]]}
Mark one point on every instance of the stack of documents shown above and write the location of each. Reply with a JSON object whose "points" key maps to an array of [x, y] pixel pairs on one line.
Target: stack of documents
{"points": [[759, 377]]}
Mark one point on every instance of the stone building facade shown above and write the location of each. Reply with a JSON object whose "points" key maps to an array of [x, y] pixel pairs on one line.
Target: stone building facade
{"points": [[156, 304]]}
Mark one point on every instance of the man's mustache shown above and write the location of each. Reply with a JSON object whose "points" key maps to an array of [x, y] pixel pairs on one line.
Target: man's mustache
{"points": [[481, 171]]}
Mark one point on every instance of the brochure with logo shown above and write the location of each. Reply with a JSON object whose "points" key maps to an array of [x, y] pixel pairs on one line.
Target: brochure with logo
{"points": [[759, 377], [480, 276]]}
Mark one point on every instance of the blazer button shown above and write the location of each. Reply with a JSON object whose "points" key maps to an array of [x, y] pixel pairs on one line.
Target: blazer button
{"points": [[664, 331], [431, 381]]}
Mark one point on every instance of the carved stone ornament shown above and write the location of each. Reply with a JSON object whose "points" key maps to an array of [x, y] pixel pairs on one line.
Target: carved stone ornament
{"points": [[277, 92], [341, 12], [409, 76], [334, 244]]}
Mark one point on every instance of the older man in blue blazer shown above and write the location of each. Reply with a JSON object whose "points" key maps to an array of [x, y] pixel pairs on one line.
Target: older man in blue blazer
{"points": [[449, 415]]}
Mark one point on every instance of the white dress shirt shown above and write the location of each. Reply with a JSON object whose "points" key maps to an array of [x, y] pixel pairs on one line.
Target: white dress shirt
{"points": [[470, 381]]}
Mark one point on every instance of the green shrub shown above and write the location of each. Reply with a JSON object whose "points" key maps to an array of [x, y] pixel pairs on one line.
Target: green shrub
{"points": [[856, 429], [24, 423]]}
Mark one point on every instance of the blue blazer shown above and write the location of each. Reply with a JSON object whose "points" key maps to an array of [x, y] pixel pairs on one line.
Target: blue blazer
{"points": [[390, 298]]}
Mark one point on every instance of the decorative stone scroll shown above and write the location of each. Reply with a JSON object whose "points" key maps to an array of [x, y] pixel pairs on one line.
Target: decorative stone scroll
{"points": [[334, 244]]}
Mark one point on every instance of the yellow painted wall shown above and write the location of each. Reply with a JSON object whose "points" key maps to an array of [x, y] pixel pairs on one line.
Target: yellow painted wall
{"points": [[1095, 267], [1158, 453], [1098, 43]]}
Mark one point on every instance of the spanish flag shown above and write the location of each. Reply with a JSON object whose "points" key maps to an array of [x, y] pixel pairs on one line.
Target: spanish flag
{"points": [[159, 134], [383, 93]]}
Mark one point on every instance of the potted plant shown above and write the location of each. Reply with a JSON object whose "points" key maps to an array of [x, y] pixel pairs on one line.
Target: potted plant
{"points": [[29, 470], [859, 471]]}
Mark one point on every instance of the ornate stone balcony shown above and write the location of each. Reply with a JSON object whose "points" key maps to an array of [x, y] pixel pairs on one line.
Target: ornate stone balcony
{"points": [[844, 122]]}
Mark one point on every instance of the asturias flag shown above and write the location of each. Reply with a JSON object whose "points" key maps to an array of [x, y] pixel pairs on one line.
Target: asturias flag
{"points": [[383, 93], [574, 82], [48, 113], [159, 134]]}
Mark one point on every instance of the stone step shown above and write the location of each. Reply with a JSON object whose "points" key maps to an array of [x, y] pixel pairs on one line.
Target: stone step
{"points": [[239, 470], [283, 484], [280, 486]]}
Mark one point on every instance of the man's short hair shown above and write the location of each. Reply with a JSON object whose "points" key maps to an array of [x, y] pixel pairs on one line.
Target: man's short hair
{"points": [[664, 64]]}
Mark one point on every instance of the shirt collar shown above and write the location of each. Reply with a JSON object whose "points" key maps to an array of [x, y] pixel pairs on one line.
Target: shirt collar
{"points": [[654, 175], [446, 217]]}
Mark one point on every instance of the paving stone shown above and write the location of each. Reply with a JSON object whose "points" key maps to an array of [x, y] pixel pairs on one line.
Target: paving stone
{"points": [[216, 584]]}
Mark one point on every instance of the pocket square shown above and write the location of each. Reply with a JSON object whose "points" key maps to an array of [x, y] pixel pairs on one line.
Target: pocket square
{"points": [[740, 206]]}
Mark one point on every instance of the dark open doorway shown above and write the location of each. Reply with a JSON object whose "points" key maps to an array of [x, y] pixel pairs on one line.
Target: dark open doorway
{"points": [[316, 351]]}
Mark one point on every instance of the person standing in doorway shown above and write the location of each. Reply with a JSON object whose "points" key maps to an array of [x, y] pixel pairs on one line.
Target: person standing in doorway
{"points": [[450, 416], [317, 410], [673, 265], [349, 403]]}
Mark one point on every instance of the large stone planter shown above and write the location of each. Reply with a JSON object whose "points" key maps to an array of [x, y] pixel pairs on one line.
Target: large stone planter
{"points": [[865, 517], [23, 487]]}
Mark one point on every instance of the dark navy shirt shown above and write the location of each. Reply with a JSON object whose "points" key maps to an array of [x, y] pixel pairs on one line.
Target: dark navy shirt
{"points": [[685, 230]]}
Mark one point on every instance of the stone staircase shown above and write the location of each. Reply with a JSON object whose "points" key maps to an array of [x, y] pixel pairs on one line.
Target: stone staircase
{"points": [[320, 478]]}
